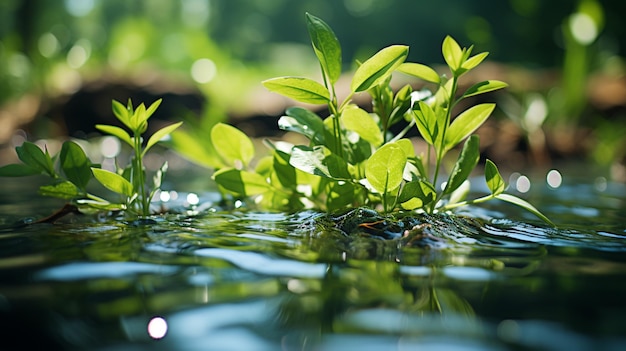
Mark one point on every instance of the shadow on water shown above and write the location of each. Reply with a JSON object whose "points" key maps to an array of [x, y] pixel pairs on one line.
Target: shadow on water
{"points": [[244, 280]]}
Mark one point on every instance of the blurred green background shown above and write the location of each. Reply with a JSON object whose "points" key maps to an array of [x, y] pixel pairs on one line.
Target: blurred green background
{"points": [[61, 63]]}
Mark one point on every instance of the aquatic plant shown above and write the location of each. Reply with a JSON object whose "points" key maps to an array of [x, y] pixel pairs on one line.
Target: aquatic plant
{"points": [[352, 157], [71, 170]]}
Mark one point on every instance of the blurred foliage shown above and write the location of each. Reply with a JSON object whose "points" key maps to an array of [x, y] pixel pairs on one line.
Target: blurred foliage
{"points": [[223, 49]]}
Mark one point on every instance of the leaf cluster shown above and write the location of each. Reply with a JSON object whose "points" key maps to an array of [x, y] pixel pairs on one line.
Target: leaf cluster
{"points": [[71, 170], [352, 158]]}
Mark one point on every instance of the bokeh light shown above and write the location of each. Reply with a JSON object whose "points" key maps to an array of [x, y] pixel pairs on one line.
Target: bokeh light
{"points": [[203, 70], [193, 199], [157, 328], [583, 28], [554, 179], [522, 184], [110, 146]]}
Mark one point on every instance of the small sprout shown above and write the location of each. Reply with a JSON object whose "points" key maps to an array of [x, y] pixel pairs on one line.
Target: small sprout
{"points": [[76, 169]]}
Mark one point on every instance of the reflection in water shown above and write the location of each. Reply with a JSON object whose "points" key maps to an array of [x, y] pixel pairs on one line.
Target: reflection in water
{"points": [[242, 280]]}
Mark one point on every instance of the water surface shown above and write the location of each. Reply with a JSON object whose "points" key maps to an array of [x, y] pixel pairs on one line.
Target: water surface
{"points": [[213, 279]]}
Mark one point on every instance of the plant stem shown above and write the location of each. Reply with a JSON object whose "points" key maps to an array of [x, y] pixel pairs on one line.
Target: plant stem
{"points": [[441, 151], [140, 178]]}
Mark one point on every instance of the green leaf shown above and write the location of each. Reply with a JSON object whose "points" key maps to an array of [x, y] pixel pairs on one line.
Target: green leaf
{"points": [[305, 122], [466, 123], [326, 47], [196, 148], [385, 167], [160, 134], [494, 180], [35, 158], [416, 194], [452, 53], [340, 195], [459, 194], [113, 181], [474, 61], [407, 147], [484, 87], [241, 182], [285, 172], [300, 89], [232, 144], [122, 113], [525, 205], [468, 159], [427, 124], [64, 190], [75, 164], [378, 67], [138, 119], [361, 122], [18, 170], [150, 111], [319, 161], [116, 131], [101, 205], [420, 71]]}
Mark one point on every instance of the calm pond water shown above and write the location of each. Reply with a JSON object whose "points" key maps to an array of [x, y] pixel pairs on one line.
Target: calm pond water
{"points": [[212, 279]]}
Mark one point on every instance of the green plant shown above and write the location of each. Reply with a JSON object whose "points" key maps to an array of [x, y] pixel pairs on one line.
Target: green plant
{"points": [[70, 177], [352, 158]]}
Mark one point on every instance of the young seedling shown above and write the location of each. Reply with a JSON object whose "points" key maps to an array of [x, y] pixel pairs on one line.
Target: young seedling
{"points": [[71, 171], [131, 181]]}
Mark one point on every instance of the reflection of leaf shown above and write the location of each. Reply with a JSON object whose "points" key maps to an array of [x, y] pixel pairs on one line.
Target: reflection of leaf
{"points": [[448, 302]]}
